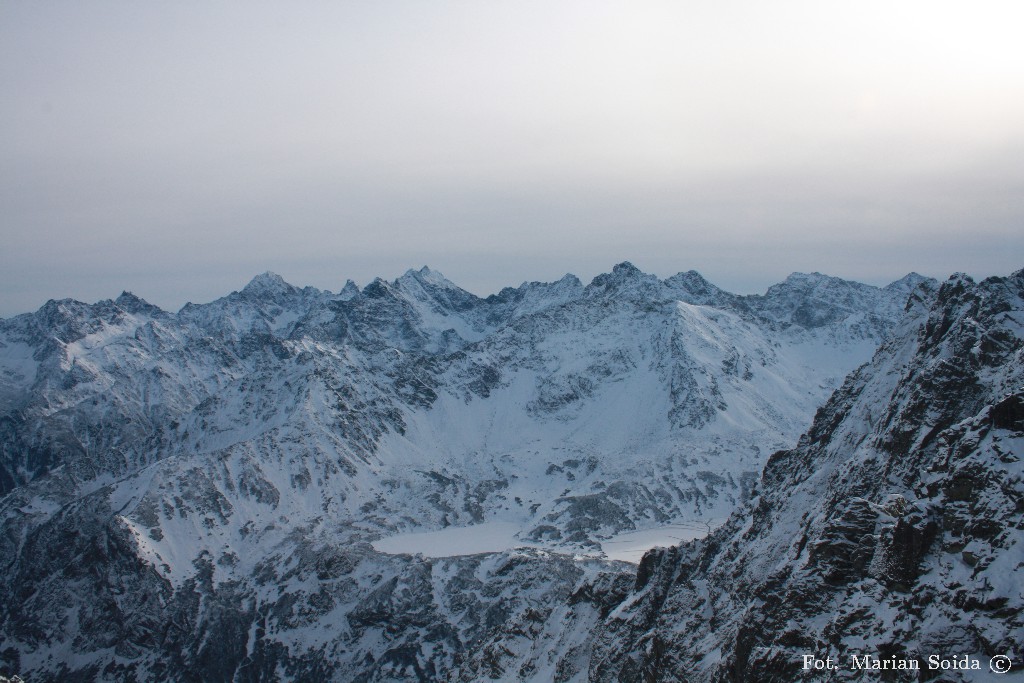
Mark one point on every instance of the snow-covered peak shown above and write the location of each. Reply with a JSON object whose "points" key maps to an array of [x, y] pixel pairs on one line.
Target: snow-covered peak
{"points": [[63, 320], [426, 276], [909, 282], [625, 280], [569, 280], [138, 306], [532, 297], [267, 284], [814, 300], [807, 282], [692, 287], [442, 306], [350, 290], [434, 289], [267, 304], [378, 289]]}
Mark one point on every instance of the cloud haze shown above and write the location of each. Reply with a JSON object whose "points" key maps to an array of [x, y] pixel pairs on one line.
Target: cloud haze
{"points": [[176, 149]]}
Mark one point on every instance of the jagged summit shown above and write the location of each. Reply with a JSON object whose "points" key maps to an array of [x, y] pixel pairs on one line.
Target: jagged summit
{"points": [[377, 289], [532, 297], [625, 280], [810, 281], [427, 275], [350, 290], [621, 272], [267, 283], [910, 282], [566, 282], [431, 286], [137, 305], [693, 287], [625, 276], [625, 268]]}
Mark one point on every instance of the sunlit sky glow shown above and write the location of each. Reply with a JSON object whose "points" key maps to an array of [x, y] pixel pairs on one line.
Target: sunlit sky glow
{"points": [[177, 149]]}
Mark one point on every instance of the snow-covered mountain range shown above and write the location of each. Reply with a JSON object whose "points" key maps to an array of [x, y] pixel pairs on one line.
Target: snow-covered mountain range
{"points": [[231, 492]]}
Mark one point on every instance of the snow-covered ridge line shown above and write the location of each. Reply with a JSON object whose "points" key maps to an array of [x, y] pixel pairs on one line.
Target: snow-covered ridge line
{"points": [[689, 284]]}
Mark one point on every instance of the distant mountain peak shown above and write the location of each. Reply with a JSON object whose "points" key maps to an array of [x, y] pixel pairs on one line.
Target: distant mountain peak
{"points": [[267, 282], [625, 277], [909, 282], [427, 276], [814, 277], [377, 289], [350, 290], [807, 283], [570, 279], [691, 278], [626, 268], [136, 305]]}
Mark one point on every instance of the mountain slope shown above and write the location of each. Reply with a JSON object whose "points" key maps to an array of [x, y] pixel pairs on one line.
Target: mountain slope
{"points": [[894, 528]]}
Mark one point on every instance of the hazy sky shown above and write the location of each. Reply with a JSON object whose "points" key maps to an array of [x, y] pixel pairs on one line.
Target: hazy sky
{"points": [[177, 149]]}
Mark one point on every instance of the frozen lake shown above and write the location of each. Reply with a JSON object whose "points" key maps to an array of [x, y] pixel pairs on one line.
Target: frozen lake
{"points": [[488, 537], [492, 537], [630, 546]]}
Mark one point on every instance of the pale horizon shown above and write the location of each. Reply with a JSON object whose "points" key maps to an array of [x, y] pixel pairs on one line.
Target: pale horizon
{"points": [[175, 151]]}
